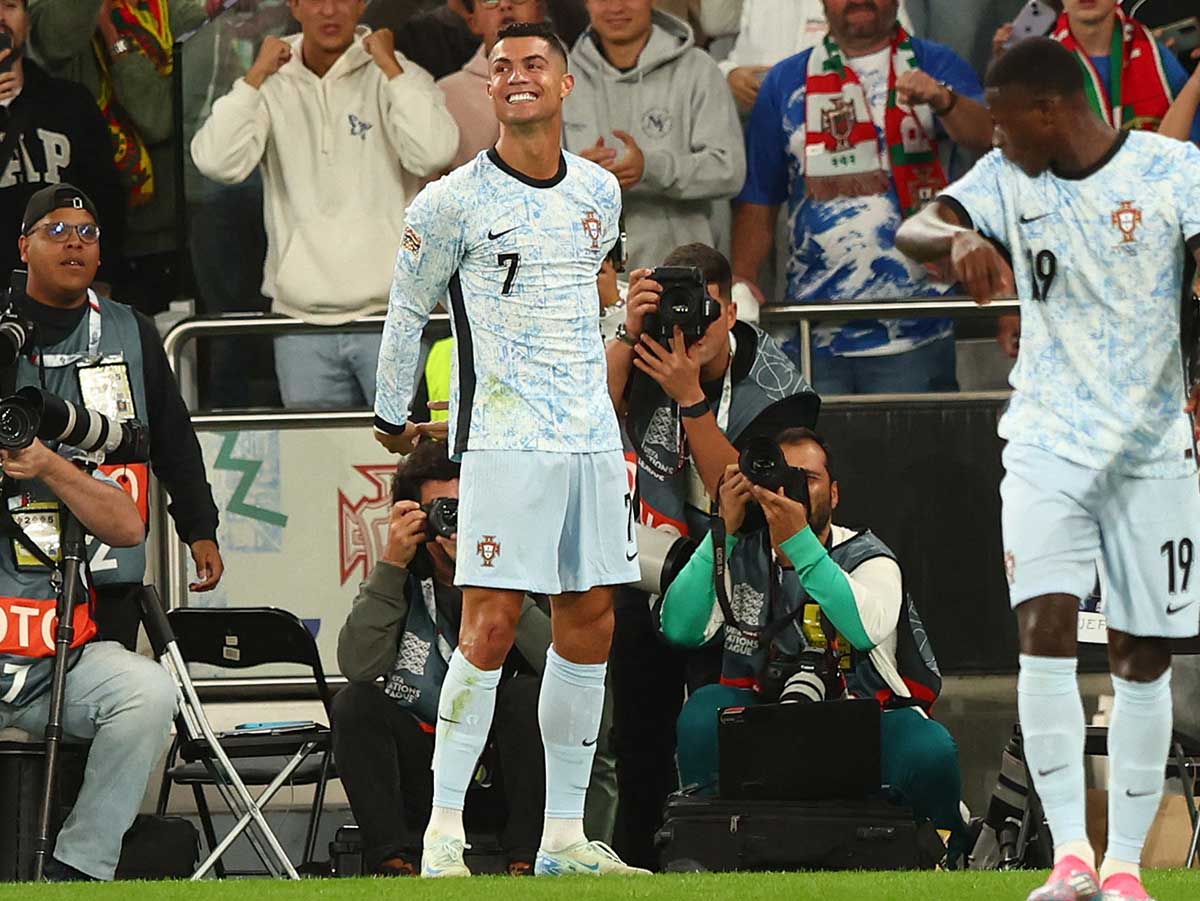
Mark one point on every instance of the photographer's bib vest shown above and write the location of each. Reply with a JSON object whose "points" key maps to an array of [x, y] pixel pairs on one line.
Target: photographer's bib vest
{"points": [[107, 334], [422, 660], [751, 567], [758, 376]]}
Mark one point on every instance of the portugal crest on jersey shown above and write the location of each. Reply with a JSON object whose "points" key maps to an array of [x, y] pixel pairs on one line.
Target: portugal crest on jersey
{"points": [[488, 550], [1127, 218], [591, 228]]}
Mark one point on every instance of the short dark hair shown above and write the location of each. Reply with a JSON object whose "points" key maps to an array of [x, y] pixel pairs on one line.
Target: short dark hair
{"points": [[543, 30], [1040, 65], [428, 462], [798, 435], [711, 262]]}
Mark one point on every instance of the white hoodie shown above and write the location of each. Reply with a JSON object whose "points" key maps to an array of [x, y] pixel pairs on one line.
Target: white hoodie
{"points": [[342, 156]]}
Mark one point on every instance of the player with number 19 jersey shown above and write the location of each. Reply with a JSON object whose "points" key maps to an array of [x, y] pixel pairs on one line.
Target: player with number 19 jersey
{"points": [[1098, 261], [518, 258]]}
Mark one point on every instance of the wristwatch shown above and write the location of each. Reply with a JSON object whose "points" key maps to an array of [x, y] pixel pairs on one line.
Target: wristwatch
{"points": [[622, 335], [695, 410], [953, 99], [120, 47]]}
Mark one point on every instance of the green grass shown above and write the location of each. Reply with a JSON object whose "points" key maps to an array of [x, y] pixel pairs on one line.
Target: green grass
{"points": [[1167, 885]]}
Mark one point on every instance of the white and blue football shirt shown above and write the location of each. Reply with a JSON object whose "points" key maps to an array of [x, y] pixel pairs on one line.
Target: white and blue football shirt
{"points": [[518, 258], [1098, 261]]}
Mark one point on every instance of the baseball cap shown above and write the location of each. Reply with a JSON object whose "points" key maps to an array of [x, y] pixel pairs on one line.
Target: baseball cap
{"points": [[55, 197]]}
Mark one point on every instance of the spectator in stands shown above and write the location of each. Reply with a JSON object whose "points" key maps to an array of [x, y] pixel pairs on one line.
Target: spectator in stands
{"points": [[1180, 119], [685, 411], [345, 129], [770, 31], [403, 627], [122, 702], [943, 22], [53, 133], [855, 583], [441, 41], [466, 90], [654, 110], [121, 50], [1132, 77], [73, 328], [874, 161]]}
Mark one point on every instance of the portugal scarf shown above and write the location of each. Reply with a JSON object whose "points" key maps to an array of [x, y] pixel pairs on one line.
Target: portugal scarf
{"points": [[147, 25], [1138, 94], [842, 156]]}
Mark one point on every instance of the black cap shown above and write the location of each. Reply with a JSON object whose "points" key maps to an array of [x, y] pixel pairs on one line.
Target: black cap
{"points": [[55, 197]]}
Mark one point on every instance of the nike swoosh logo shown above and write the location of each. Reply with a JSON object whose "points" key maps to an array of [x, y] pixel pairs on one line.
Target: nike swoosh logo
{"points": [[492, 236], [444, 720], [1171, 610], [631, 557], [1129, 793], [1053, 770], [588, 744], [1028, 219]]}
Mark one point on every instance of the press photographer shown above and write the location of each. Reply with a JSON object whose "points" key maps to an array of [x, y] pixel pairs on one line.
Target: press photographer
{"points": [[102, 354], [831, 603], [122, 702], [690, 383], [403, 627]]}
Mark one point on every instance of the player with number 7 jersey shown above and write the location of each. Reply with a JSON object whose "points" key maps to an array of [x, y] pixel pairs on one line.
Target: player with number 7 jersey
{"points": [[513, 240], [1098, 226]]}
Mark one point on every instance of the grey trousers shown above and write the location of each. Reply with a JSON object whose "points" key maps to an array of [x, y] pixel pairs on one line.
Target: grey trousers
{"points": [[124, 704]]}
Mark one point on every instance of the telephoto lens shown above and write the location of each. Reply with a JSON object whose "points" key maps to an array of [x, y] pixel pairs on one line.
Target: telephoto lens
{"points": [[34, 413]]}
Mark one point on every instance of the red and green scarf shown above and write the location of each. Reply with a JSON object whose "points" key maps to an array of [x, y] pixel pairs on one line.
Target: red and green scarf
{"points": [[842, 155], [1138, 94], [147, 25]]}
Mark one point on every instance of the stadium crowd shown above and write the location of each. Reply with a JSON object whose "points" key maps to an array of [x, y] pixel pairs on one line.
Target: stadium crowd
{"points": [[308, 128]]}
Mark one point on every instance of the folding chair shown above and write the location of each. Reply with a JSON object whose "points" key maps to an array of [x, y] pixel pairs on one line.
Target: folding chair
{"points": [[244, 638], [1184, 762]]}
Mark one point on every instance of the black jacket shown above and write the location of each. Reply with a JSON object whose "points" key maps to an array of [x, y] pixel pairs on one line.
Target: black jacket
{"points": [[63, 138], [175, 456]]}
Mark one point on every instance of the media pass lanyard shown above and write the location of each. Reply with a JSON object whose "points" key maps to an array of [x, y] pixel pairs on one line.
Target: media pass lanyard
{"points": [[697, 493], [57, 361]]}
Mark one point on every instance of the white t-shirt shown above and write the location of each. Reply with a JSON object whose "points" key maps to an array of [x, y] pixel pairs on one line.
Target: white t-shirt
{"points": [[1098, 262]]}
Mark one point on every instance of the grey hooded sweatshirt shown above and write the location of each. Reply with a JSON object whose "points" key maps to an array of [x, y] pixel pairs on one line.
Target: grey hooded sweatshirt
{"points": [[676, 105]]}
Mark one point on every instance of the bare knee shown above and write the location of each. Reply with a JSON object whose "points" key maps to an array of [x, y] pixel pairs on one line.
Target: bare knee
{"points": [[582, 624], [1137, 659], [1048, 625], [489, 626]]}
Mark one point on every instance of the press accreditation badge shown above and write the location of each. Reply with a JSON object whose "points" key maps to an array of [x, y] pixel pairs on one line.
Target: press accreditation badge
{"points": [[41, 521], [105, 388]]}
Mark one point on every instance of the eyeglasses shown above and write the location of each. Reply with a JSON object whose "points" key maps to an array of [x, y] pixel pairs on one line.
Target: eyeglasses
{"points": [[492, 4], [60, 232]]}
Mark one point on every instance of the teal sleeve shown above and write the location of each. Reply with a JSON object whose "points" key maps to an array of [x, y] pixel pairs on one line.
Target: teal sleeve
{"points": [[687, 605], [827, 584]]}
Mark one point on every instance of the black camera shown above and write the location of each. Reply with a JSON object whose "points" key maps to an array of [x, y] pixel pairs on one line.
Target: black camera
{"points": [[762, 462], [16, 332], [805, 678], [685, 303], [441, 517], [34, 413]]}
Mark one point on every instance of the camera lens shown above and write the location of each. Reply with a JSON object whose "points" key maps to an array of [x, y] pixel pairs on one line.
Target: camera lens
{"points": [[18, 424], [803, 687]]}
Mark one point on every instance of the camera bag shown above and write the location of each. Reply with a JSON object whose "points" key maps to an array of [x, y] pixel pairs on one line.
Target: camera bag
{"points": [[721, 836], [159, 847]]}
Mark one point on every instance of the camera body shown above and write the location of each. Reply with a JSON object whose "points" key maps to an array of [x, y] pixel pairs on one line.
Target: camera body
{"points": [[441, 517], [685, 303], [762, 462], [809, 677]]}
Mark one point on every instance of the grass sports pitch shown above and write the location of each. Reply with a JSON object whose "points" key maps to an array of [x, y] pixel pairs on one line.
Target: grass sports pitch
{"points": [[1165, 885]]}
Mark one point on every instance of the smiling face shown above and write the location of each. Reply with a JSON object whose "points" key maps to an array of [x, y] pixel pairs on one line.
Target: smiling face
{"points": [[59, 273], [486, 21], [621, 21], [1089, 12], [528, 81]]}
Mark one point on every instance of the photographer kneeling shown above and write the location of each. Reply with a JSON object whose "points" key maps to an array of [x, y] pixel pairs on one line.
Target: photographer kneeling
{"points": [[122, 702], [798, 558], [404, 626]]}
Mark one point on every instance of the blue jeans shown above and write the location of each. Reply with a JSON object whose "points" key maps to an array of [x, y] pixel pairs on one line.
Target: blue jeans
{"points": [[333, 371], [124, 704], [928, 368]]}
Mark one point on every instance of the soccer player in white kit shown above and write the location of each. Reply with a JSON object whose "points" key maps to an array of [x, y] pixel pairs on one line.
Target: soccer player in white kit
{"points": [[515, 239], [1101, 455]]}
